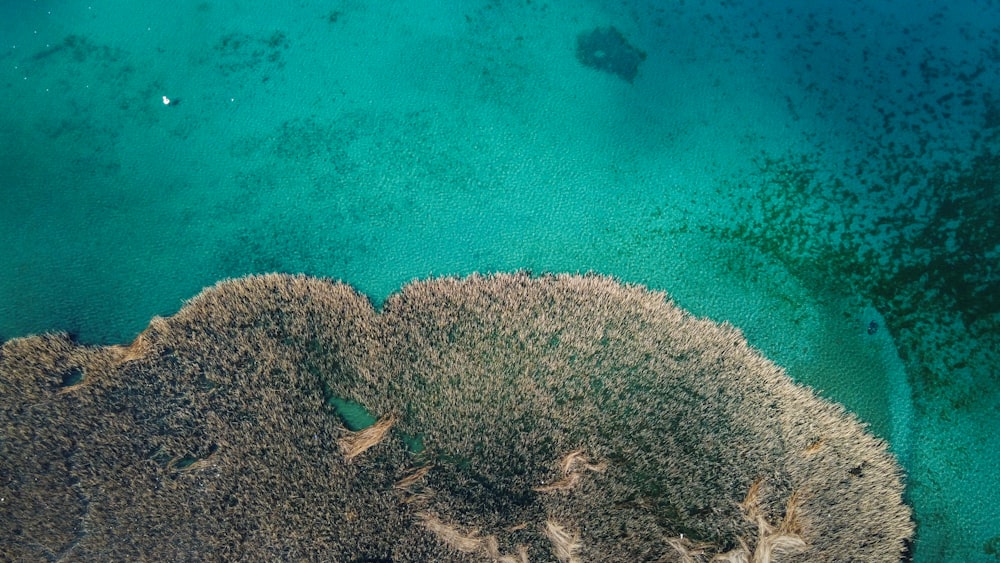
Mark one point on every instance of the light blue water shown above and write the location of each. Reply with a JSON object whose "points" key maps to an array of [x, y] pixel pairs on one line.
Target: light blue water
{"points": [[799, 170]]}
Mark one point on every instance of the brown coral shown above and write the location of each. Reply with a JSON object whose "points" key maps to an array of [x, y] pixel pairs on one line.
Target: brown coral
{"points": [[566, 417]]}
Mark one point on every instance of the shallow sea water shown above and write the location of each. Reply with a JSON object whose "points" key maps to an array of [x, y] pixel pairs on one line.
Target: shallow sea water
{"points": [[803, 172]]}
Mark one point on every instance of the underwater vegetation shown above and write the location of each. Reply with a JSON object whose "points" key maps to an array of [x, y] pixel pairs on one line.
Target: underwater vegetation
{"points": [[607, 50], [505, 418], [928, 265]]}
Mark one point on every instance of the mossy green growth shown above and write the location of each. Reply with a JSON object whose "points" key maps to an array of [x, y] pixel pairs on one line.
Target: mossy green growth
{"points": [[992, 547]]}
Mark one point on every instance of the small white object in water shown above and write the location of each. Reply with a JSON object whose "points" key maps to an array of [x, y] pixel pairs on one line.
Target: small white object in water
{"points": [[166, 101]]}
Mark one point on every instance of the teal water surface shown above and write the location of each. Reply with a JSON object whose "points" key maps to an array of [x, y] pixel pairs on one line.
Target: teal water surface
{"points": [[823, 176]]}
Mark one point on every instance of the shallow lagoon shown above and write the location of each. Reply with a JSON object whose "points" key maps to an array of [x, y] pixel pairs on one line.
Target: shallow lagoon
{"points": [[799, 172]]}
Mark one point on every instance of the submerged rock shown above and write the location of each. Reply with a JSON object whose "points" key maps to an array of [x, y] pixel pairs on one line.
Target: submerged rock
{"points": [[607, 50]]}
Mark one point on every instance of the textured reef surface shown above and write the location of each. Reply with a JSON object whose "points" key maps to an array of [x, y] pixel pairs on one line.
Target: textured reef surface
{"points": [[504, 418]]}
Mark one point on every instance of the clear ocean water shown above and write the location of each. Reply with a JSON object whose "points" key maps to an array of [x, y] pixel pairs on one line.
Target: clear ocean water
{"points": [[823, 175]]}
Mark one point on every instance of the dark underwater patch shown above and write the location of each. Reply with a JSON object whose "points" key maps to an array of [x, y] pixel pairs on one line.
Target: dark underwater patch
{"points": [[607, 50]]}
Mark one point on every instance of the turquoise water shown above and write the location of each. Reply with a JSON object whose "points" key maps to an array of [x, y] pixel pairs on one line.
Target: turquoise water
{"points": [[825, 177]]}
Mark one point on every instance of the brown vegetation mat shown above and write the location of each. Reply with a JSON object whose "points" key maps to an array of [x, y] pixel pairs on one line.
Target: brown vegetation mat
{"points": [[566, 418]]}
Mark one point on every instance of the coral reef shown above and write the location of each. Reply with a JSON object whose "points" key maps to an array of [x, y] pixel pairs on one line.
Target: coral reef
{"points": [[560, 417]]}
